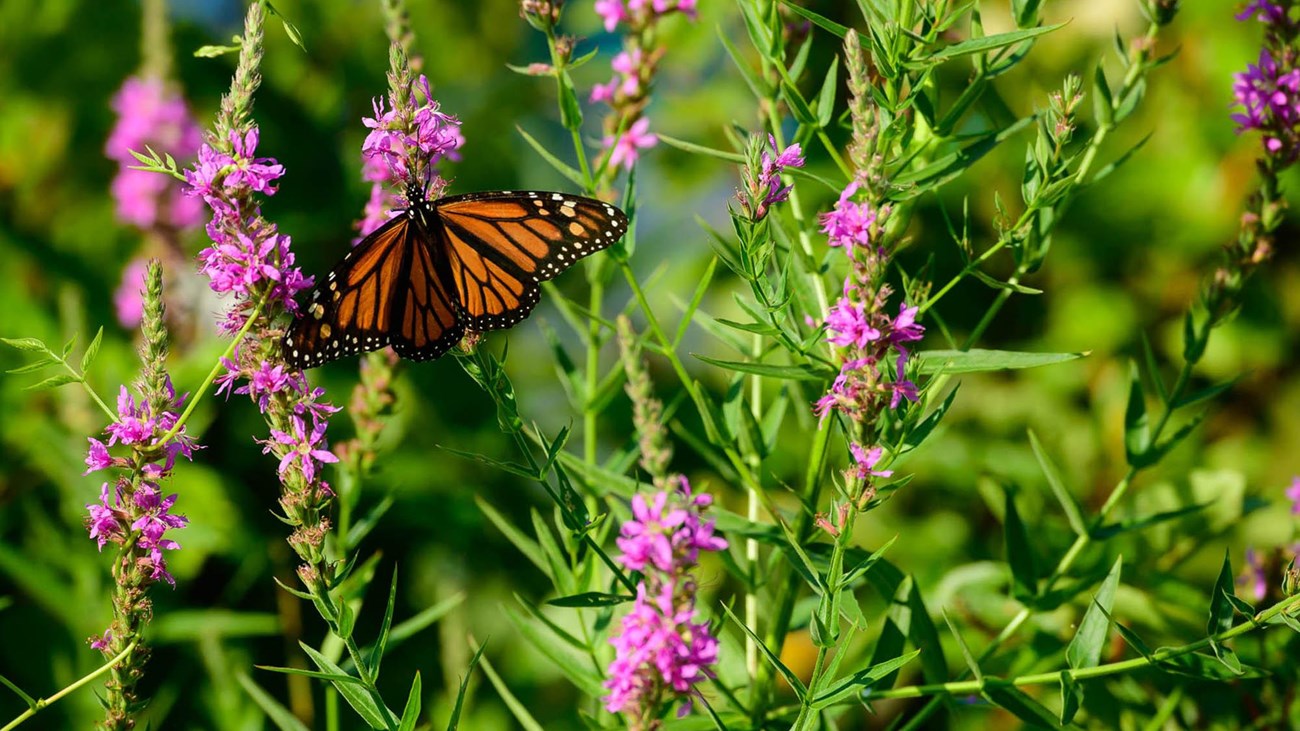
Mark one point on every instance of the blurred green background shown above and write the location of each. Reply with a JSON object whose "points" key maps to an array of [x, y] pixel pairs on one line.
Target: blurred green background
{"points": [[1127, 259]]}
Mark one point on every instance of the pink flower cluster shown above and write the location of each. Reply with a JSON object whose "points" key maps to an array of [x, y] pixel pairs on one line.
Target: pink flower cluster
{"points": [[1269, 92], [628, 132], [153, 116], [858, 324], [137, 508], [300, 445], [248, 255], [406, 142], [613, 12], [661, 651]]}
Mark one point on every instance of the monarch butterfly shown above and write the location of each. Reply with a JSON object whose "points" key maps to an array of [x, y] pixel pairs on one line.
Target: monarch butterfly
{"points": [[466, 262]]}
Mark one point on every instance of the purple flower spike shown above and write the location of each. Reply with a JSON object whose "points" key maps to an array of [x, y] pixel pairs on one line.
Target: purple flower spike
{"points": [[662, 652]]}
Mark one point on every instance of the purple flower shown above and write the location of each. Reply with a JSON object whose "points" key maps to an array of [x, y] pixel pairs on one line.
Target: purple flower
{"points": [[266, 380], [98, 458], [1293, 494], [904, 328], [774, 166], [612, 12], [626, 148], [848, 323], [1270, 97], [660, 648], [130, 428], [101, 643], [255, 173], [866, 461], [128, 300], [151, 116], [658, 644], [1268, 12], [305, 448], [850, 223], [398, 135], [103, 521]]}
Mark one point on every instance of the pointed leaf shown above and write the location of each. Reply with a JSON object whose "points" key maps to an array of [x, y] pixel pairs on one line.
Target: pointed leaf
{"points": [[965, 649], [1137, 430], [862, 681], [454, 722], [987, 43], [282, 717], [61, 379], [1085, 648], [411, 713], [1071, 698], [800, 690], [1020, 705], [381, 644], [356, 696], [1020, 553], [1063, 496], [92, 350], [769, 370], [30, 345], [933, 362], [573, 175], [591, 599]]}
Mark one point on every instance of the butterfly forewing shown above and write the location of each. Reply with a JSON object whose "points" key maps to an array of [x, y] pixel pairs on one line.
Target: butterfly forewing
{"points": [[469, 262], [501, 246], [351, 310]]}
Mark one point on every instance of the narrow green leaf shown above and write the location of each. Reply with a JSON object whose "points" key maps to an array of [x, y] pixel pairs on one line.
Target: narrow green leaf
{"points": [[408, 628], [34, 366], [563, 169], [826, 98], [1137, 429], [1007, 696], [570, 107], [1085, 648], [1128, 525], [523, 543], [987, 43], [691, 147], [61, 379], [800, 690], [454, 722], [1207, 393], [1103, 106], [92, 350], [1020, 553], [1063, 496], [591, 599], [381, 643], [861, 681], [578, 673], [517, 709], [282, 717], [1221, 610], [357, 697], [965, 649], [820, 21], [1200, 665], [755, 83], [934, 362], [411, 713], [1071, 698], [770, 370]]}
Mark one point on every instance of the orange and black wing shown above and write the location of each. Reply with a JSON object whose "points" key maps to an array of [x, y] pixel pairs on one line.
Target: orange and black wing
{"points": [[500, 246], [384, 292]]}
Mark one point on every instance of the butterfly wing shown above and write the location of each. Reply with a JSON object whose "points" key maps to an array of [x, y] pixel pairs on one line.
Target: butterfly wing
{"points": [[500, 246], [384, 292]]}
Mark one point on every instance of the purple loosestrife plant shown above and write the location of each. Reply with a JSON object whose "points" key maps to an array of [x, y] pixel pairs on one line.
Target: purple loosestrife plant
{"points": [[627, 130], [249, 262], [152, 115], [134, 516], [662, 652]]}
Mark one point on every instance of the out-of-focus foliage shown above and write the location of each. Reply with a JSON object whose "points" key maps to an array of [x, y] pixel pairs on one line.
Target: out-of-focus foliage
{"points": [[1126, 259]]}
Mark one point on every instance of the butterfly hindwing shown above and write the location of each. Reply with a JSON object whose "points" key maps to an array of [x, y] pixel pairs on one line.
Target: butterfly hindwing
{"points": [[425, 323], [500, 246], [351, 310]]}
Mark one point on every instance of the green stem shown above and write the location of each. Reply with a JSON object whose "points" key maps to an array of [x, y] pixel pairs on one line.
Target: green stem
{"points": [[81, 378], [212, 374], [1168, 653], [41, 704]]}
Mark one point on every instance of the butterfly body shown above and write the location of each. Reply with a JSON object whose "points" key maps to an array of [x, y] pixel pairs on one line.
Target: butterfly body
{"points": [[467, 262]]}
